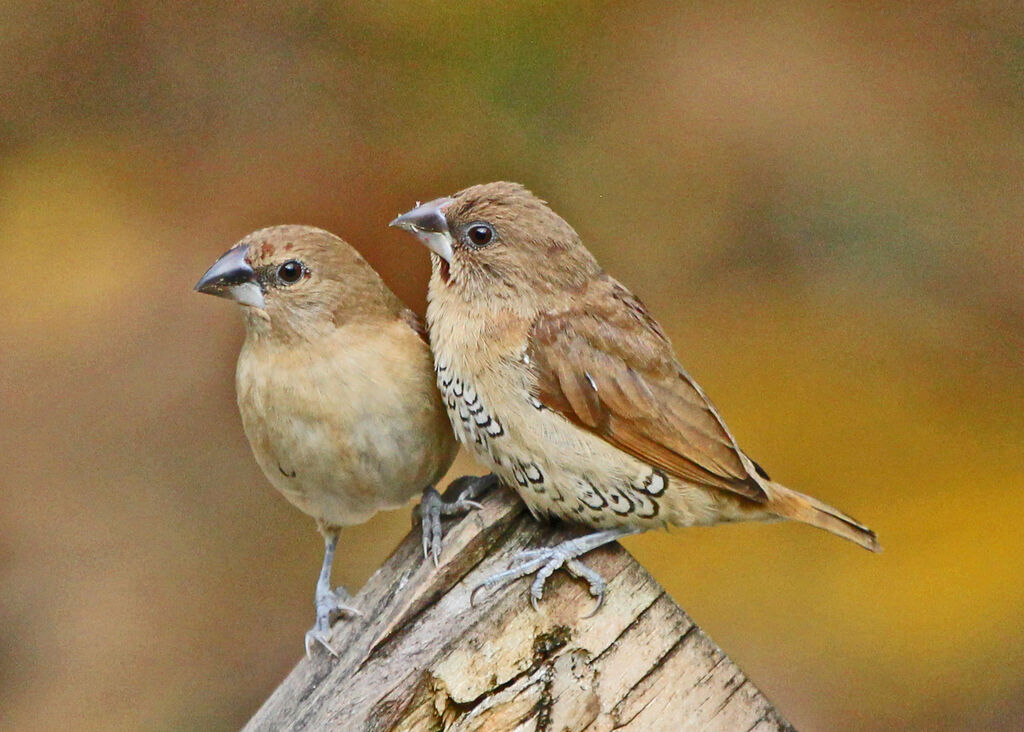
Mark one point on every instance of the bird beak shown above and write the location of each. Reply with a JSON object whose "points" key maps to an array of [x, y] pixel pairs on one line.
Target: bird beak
{"points": [[233, 278], [428, 224]]}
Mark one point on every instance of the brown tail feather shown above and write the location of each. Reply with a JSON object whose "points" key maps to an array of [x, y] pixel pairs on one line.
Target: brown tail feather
{"points": [[793, 505]]}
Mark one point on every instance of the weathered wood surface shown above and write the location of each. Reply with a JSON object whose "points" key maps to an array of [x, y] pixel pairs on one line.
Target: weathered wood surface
{"points": [[421, 658]]}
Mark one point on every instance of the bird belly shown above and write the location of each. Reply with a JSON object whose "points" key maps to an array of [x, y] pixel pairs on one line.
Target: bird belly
{"points": [[331, 474], [342, 442], [563, 471]]}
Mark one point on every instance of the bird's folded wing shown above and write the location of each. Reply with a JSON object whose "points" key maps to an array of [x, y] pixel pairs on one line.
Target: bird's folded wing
{"points": [[605, 364]]}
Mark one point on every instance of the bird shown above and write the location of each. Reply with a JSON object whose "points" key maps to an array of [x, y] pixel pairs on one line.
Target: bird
{"points": [[557, 378], [336, 392]]}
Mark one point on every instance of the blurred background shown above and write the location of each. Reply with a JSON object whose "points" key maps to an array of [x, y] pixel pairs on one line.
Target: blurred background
{"points": [[823, 203]]}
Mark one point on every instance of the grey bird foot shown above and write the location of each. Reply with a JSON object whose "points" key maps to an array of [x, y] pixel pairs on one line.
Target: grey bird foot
{"points": [[433, 508], [470, 487], [329, 605], [544, 562]]}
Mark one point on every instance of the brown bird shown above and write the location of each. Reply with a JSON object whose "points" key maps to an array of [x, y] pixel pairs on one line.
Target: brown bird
{"points": [[335, 389], [557, 378]]}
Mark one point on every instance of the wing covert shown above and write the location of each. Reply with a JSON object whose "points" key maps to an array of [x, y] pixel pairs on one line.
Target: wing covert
{"points": [[606, 365]]}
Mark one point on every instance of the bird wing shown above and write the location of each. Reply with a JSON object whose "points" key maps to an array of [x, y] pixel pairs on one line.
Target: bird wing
{"points": [[605, 364]]}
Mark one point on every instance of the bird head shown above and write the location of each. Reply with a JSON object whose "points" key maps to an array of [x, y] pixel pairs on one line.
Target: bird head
{"points": [[499, 240], [297, 280]]}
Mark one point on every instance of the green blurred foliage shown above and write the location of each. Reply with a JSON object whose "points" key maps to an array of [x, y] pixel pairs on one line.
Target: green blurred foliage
{"points": [[822, 202]]}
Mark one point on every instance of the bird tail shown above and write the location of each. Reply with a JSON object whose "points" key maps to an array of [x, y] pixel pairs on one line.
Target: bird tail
{"points": [[791, 504]]}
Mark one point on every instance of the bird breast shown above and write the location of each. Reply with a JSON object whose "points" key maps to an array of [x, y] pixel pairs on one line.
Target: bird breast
{"points": [[347, 426]]}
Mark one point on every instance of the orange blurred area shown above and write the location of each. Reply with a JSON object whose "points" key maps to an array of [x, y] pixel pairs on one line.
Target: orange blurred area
{"points": [[823, 203]]}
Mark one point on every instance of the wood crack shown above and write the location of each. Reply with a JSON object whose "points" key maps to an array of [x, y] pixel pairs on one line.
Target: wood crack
{"points": [[422, 660], [658, 664]]}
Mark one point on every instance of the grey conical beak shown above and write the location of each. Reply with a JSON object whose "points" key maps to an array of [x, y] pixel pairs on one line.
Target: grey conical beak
{"points": [[428, 223], [233, 278]]}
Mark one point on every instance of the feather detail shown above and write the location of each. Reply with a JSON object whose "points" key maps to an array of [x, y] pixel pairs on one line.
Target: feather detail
{"points": [[605, 365]]}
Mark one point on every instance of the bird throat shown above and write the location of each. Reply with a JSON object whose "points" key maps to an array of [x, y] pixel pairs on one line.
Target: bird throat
{"points": [[444, 269]]}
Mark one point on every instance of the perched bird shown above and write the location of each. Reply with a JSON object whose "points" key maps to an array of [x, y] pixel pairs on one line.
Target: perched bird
{"points": [[335, 389], [556, 377]]}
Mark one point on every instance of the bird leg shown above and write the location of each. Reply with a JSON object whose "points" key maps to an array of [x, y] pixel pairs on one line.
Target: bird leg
{"points": [[329, 603], [544, 562], [470, 487], [432, 508]]}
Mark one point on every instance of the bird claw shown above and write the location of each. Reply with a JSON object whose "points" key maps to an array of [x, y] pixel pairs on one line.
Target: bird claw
{"points": [[528, 566], [329, 605], [433, 508], [544, 562], [321, 636], [598, 584], [430, 510], [472, 486]]}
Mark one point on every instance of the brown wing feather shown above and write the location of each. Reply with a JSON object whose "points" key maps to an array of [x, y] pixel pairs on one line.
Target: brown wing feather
{"points": [[606, 365]]}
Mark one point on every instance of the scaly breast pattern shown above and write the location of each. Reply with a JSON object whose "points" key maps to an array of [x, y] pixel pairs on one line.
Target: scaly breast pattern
{"points": [[557, 468]]}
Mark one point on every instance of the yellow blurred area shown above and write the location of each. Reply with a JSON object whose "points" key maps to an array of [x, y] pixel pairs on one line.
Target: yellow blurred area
{"points": [[822, 204]]}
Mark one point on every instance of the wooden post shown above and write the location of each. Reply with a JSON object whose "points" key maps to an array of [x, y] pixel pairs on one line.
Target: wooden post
{"points": [[421, 658]]}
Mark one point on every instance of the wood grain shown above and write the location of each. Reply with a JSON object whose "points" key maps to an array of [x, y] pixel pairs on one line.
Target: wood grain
{"points": [[421, 658]]}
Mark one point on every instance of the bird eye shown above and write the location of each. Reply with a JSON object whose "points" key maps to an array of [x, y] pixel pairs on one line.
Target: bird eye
{"points": [[480, 234], [290, 271]]}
